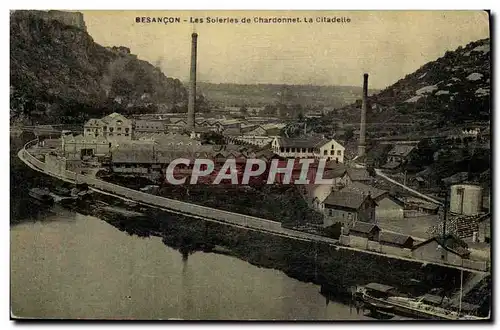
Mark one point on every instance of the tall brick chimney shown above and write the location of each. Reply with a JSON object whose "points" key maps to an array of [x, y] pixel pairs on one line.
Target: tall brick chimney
{"points": [[362, 127], [192, 83]]}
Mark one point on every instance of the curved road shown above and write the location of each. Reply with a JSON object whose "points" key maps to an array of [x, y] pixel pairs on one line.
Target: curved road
{"points": [[285, 232], [413, 191]]}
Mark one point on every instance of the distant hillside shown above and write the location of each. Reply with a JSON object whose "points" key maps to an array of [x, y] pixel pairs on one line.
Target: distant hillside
{"points": [[450, 90], [268, 94], [59, 74]]}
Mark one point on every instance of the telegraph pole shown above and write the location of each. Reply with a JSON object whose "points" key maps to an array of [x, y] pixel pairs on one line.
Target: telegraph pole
{"points": [[445, 212]]}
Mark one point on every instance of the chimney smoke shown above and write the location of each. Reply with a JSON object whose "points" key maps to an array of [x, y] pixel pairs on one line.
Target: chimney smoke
{"points": [[192, 83], [362, 127]]}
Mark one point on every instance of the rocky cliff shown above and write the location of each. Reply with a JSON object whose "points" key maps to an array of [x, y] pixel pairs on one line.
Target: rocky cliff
{"points": [[450, 90], [58, 73]]}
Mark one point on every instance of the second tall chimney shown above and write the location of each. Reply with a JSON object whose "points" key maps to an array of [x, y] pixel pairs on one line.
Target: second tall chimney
{"points": [[362, 127], [192, 83]]}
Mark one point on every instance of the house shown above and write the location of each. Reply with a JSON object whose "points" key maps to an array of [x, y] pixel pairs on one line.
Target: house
{"points": [[348, 208], [361, 233], [312, 147], [359, 174], [94, 127], [317, 193], [388, 207], [117, 128], [448, 249], [395, 243], [398, 154], [415, 207], [113, 127]]}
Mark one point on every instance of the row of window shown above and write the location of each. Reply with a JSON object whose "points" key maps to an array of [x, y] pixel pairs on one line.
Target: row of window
{"points": [[332, 152], [111, 134], [119, 134], [332, 212], [111, 129], [310, 150], [152, 127], [303, 150]]}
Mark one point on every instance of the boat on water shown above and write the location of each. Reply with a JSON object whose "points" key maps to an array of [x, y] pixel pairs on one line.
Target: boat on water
{"points": [[378, 297], [41, 195], [62, 191]]}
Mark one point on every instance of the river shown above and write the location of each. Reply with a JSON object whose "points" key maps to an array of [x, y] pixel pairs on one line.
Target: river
{"points": [[67, 265]]}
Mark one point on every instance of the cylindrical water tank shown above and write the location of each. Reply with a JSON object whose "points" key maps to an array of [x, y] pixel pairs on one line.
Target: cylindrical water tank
{"points": [[466, 199]]}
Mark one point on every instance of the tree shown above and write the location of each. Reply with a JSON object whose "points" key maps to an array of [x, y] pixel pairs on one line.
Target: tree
{"points": [[296, 111], [213, 138], [371, 171], [244, 110], [300, 117], [348, 134], [202, 104], [269, 110], [333, 231]]}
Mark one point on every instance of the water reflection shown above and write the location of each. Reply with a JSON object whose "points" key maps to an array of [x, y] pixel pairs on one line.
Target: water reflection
{"points": [[86, 268]]}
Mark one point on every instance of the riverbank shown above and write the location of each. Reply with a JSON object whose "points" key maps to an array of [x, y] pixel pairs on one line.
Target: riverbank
{"points": [[283, 204], [335, 270]]}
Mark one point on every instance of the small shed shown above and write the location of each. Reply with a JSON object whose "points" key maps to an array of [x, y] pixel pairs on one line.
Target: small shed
{"points": [[448, 249], [396, 240], [359, 174], [366, 230]]}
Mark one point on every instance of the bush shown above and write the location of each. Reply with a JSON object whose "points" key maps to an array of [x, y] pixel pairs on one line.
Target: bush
{"points": [[334, 230]]}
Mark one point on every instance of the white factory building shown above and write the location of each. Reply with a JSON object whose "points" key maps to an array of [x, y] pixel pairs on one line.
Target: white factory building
{"points": [[314, 147]]}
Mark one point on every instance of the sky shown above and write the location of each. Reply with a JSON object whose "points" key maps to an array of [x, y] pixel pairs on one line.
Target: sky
{"points": [[386, 44]]}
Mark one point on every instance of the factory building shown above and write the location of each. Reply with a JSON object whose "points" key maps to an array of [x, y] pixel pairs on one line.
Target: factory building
{"points": [[81, 146], [114, 128], [314, 147], [148, 126]]}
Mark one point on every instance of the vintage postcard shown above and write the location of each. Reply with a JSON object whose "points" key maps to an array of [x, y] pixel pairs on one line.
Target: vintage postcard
{"points": [[250, 165]]}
